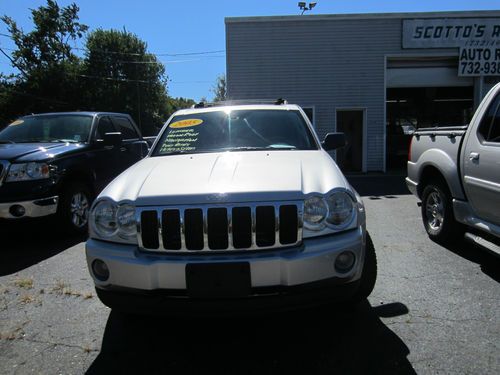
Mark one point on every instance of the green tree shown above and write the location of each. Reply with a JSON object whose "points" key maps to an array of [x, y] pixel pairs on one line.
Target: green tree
{"points": [[123, 77], [116, 72], [48, 70], [174, 104], [220, 88]]}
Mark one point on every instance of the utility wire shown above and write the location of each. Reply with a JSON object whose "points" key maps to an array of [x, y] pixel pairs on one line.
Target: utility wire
{"points": [[13, 62], [145, 62], [140, 54], [43, 98]]}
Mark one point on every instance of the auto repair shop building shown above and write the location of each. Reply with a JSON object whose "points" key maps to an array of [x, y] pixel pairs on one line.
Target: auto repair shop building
{"points": [[375, 77]]}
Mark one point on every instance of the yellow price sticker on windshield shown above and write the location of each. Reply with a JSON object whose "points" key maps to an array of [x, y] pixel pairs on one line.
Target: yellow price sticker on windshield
{"points": [[17, 122], [186, 123]]}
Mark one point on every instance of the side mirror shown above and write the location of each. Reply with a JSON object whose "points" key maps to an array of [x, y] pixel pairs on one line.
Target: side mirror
{"points": [[112, 139], [333, 141]]}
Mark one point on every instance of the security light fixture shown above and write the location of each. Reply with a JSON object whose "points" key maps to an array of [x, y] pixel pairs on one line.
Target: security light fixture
{"points": [[302, 5]]}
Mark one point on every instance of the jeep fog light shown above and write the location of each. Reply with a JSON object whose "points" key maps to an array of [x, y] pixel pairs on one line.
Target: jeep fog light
{"points": [[100, 269], [345, 261]]}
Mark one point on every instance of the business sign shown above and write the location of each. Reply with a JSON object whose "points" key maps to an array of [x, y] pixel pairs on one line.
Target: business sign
{"points": [[478, 40], [450, 32], [479, 61]]}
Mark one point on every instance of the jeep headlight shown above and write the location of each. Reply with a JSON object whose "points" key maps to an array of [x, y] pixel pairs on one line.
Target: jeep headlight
{"points": [[315, 212], [340, 209], [27, 172], [330, 213], [113, 222]]}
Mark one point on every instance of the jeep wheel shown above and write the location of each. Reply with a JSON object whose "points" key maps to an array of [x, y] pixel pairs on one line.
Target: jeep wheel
{"points": [[74, 207], [437, 213]]}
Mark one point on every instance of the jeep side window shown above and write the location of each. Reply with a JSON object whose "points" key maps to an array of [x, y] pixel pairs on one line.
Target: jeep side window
{"points": [[489, 129], [125, 127], [104, 126]]}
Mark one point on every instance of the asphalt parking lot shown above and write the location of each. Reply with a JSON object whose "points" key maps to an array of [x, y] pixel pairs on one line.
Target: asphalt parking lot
{"points": [[434, 310]]}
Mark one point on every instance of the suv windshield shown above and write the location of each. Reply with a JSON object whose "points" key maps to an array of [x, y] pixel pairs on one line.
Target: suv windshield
{"points": [[236, 130], [51, 128]]}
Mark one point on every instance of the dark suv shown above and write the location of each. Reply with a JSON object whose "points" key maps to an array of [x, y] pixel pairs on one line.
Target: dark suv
{"points": [[56, 163]]}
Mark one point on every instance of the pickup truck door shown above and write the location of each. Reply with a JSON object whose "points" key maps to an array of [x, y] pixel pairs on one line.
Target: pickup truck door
{"points": [[481, 164], [104, 159], [133, 148]]}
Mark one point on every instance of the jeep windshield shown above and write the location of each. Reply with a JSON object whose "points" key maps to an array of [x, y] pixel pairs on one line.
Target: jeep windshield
{"points": [[236, 130], [48, 128]]}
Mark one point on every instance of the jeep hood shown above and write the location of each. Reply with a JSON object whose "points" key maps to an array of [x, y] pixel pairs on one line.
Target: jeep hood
{"points": [[226, 177]]}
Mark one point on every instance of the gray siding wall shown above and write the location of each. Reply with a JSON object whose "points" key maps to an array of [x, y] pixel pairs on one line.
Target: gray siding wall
{"points": [[328, 63]]}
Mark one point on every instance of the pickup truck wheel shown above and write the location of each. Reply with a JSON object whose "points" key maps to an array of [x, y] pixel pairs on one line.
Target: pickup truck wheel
{"points": [[437, 213], [74, 207], [369, 273]]}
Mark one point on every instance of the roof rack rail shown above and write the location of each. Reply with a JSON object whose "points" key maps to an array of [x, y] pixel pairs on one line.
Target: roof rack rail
{"points": [[279, 101]]}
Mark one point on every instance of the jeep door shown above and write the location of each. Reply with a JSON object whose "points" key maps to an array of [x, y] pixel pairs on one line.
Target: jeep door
{"points": [[481, 164]]}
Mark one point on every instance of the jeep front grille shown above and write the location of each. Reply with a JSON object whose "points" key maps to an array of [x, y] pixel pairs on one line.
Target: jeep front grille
{"points": [[220, 228]]}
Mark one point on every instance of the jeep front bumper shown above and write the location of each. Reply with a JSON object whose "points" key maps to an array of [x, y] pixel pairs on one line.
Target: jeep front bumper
{"points": [[135, 273]]}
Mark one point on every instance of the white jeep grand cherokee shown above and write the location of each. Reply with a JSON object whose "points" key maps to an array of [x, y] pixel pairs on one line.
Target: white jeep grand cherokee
{"points": [[235, 207]]}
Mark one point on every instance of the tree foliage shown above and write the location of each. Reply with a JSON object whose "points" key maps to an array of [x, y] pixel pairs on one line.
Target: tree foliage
{"points": [[116, 72], [47, 46], [48, 69], [220, 88], [123, 77]]}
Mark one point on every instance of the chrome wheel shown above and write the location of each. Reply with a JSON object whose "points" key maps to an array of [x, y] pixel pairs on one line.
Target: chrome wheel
{"points": [[79, 210], [434, 209]]}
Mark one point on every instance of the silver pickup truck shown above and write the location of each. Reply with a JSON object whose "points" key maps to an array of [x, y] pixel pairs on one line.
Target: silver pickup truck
{"points": [[455, 171]]}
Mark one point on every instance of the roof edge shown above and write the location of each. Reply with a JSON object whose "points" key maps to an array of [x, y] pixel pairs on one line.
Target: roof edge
{"points": [[349, 16]]}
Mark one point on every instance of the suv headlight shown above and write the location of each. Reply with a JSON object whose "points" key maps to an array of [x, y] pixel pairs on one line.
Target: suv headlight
{"points": [[28, 172], [340, 209], [329, 213], [315, 212], [113, 222]]}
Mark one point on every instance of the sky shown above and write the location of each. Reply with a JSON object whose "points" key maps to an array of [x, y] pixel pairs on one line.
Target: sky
{"points": [[192, 26]]}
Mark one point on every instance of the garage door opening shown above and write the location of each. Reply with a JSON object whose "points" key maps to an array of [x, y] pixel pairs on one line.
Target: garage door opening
{"points": [[408, 109], [350, 157]]}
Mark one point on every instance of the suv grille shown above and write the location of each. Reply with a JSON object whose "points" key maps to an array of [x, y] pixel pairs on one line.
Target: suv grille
{"points": [[220, 228]]}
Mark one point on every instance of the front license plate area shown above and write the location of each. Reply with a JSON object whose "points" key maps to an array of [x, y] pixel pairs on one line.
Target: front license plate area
{"points": [[219, 280]]}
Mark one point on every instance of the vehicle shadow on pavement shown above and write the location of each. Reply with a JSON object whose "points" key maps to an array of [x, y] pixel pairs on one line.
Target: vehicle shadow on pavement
{"points": [[489, 263], [379, 185], [307, 342], [29, 242]]}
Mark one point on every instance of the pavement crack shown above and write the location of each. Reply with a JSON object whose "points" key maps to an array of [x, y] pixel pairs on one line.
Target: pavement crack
{"points": [[55, 343]]}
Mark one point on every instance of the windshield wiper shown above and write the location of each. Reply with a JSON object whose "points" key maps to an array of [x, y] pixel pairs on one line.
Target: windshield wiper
{"points": [[32, 141], [245, 148], [175, 152], [64, 140], [282, 147], [255, 148], [6, 141]]}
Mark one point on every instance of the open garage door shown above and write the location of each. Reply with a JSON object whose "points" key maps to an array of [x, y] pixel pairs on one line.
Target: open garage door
{"points": [[423, 93]]}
